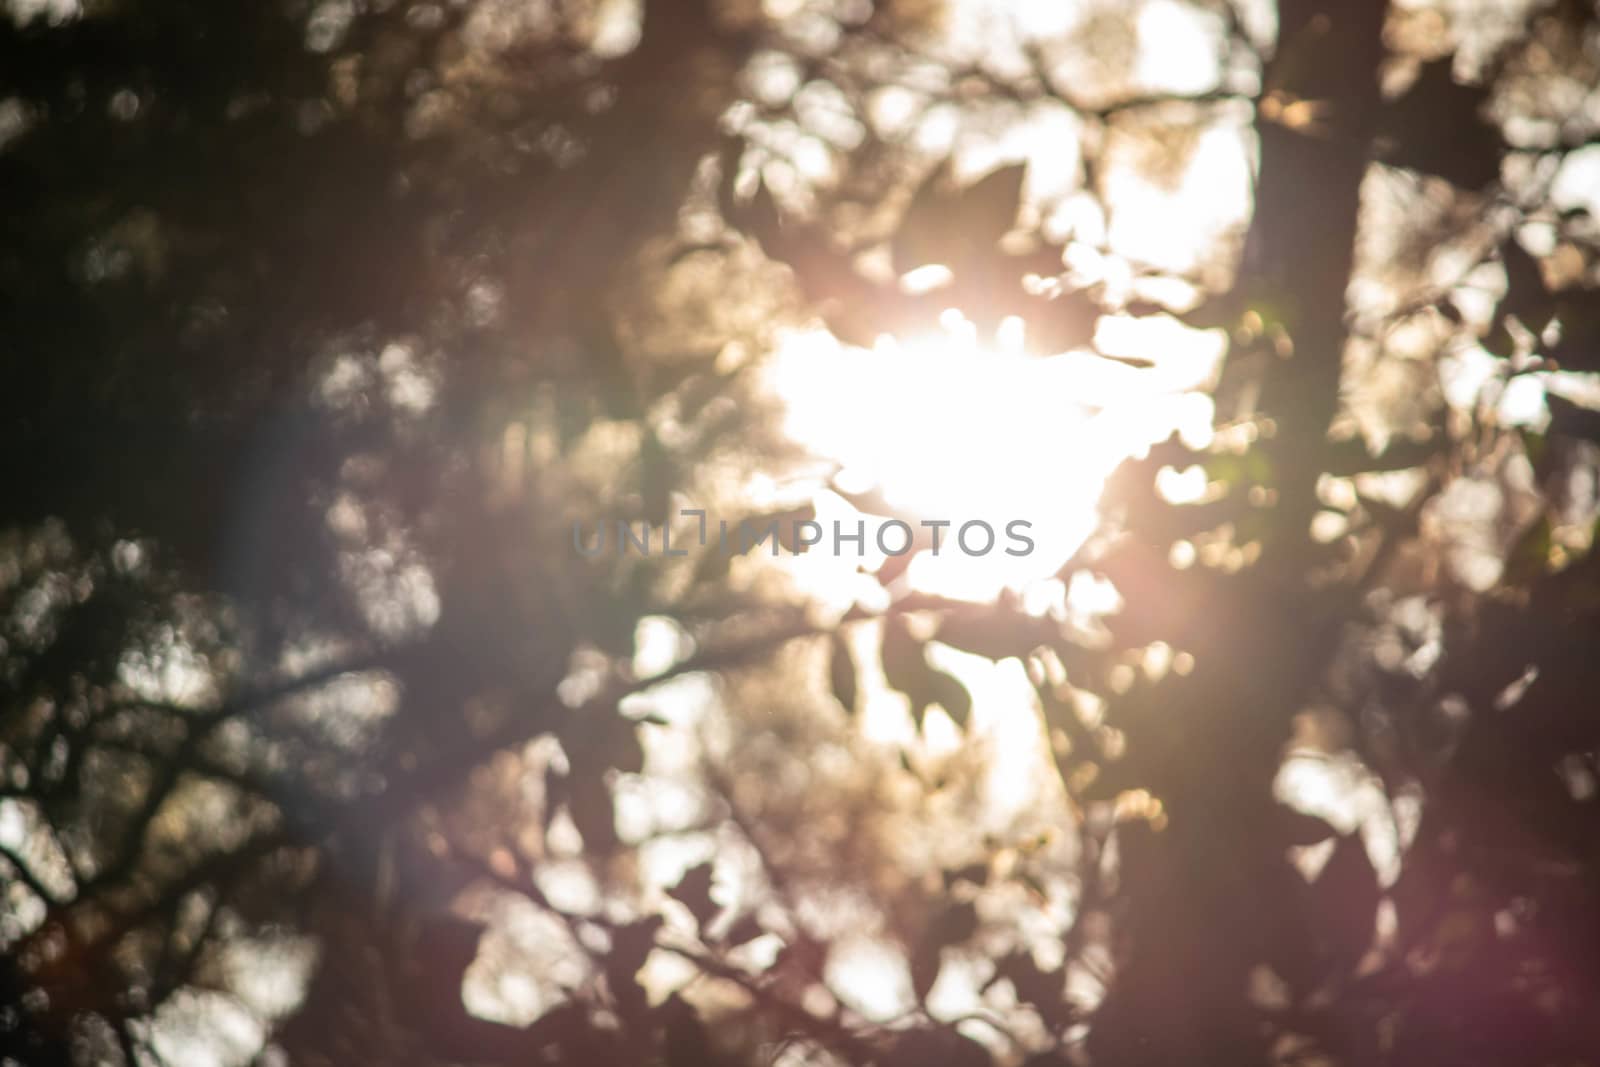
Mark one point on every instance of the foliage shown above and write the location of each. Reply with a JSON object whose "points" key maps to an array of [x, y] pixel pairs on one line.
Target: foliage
{"points": [[325, 324]]}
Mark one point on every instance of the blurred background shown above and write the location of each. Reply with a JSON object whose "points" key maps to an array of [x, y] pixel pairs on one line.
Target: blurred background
{"points": [[334, 332]]}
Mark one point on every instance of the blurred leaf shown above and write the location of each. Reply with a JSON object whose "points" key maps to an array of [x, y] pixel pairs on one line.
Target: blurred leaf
{"points": [[555, 794], [1298, 828], [1214, 313], [693, 891], [995, 633], [856, 322], [842, 672], [1034, 886], [905, 667], [802, 956], [1529, 557], [762, 219], [788, 525], [1526, 296], [894, 566], [953, 226], [713, 565], [744, 930], [1536, 446], [658, 474], [1437, 127], [752, 532], [687, 1043], [1057, 324], [1500, 341], [936, 1047], [953, 924], [871, 502], [593, 812], [1344, 899], [1397, 522], [564, 1025], [608, 740], [1351, 457], [1572, 420], [988, 207], [957, 922], [1578, 348], [1045, 990], [951, 695], [1046, 1059], [630, 945], [926, 958], [973, 873]]}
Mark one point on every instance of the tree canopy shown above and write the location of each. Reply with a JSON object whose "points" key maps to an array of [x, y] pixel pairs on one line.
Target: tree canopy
{"points": [[433, 434]]}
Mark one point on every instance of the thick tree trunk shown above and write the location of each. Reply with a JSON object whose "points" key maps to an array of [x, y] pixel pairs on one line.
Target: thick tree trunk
{"points": [[1202, 894]]}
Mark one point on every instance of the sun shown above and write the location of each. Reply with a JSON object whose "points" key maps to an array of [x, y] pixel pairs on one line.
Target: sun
{"points": [[949, 427]]}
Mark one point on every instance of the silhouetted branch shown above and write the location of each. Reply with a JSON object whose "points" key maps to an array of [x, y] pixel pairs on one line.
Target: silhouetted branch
{"points": [[25, 875]]}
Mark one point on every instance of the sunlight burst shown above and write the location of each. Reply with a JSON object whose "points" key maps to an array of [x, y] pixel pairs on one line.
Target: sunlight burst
{"points": [[945, 428]]}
